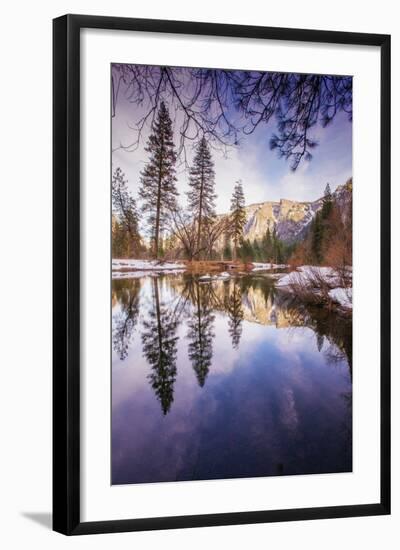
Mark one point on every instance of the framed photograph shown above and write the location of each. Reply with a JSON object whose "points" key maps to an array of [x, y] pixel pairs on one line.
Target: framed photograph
{"points": [[221, 274]]}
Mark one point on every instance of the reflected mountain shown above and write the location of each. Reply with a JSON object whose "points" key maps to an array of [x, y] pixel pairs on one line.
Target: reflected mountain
{"points": [[169, 301]]}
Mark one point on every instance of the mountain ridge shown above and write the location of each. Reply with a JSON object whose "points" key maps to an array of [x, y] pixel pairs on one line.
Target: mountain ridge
{"points": [[290, 218]]}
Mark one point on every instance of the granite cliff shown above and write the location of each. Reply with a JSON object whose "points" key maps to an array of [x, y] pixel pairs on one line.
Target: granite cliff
{"points": [[291, 218]]}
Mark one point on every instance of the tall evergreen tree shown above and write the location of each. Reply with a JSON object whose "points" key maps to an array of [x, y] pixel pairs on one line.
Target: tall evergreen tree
{"points": [[275, 245], [257, 250], [327, 202], [238, 217], [126, 239], [267, 245], [320, 229], [158, 188], [317, 235], [246, 251], [227, 251], [120, 240], [201, 196]]}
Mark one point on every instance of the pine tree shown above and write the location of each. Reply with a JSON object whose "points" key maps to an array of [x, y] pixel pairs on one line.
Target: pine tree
{"points": [[320, 229], [125, 236], [227, 252], [267, 245], [120, 240], [278, 252], [274, 240], [246, 251], [317, 231], [238, 217], [257, 250], [158, 188], [227, 249], [201, 196], [327, 203], [277, 247]]}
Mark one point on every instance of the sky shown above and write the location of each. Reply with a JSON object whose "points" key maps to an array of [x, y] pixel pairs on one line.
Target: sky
{"points": [[265, 176]]}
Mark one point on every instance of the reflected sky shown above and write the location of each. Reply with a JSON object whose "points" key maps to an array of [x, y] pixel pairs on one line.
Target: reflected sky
{"points": [[224, 380]]}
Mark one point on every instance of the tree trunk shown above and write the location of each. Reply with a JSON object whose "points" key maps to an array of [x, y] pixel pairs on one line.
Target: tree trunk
{"points": [[158, 211], [157, 228], [200, 209]]}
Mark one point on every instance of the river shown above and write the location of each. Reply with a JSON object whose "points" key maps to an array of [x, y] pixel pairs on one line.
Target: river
{"points": [[226, 379]]}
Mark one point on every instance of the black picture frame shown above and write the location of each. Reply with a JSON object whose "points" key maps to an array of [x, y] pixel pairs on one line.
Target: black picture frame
{"points": [[66, 273]]}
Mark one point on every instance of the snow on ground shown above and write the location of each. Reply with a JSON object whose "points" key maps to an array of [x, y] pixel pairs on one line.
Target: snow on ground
{"points": [[219, 277], [275, 275], [343, 296], [311, 276], [265, 267], [144, 273], [145, 265], [306, 274]]}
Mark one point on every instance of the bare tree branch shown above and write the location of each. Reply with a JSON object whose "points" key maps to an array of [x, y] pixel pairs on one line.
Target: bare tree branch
{"points": [[222, 105]]}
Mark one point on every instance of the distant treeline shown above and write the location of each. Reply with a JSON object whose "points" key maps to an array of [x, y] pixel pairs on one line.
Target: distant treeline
{"points": [[268, 249], [329, 240]]}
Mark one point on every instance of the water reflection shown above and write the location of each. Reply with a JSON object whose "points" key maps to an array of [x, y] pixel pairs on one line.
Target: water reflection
{"points": [[160, 347], [273, 379], [234, 309], [200, 324], [126, 295]]}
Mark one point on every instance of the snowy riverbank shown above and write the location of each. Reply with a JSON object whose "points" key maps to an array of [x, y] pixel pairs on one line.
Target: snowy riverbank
{"points": [[257, 266], [134, 269], [134, 265], [314, 284], [325, 283], [145, 265]]}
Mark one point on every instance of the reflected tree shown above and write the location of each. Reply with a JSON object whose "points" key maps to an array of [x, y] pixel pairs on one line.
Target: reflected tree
{"points": [[160, 348], [347, 427], [235, 313], [338, 332], [201, 330], [126, 292], [335, 328], [320, 341]]}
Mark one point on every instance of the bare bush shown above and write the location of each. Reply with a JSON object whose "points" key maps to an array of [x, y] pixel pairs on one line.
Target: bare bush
{"points": [[314, 285]]}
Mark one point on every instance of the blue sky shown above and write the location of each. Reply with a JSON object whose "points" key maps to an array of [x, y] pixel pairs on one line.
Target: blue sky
{"points": [[265, 176]]}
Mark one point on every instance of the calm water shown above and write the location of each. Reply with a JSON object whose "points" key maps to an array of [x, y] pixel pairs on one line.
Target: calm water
{"points": [[226, 379]]}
